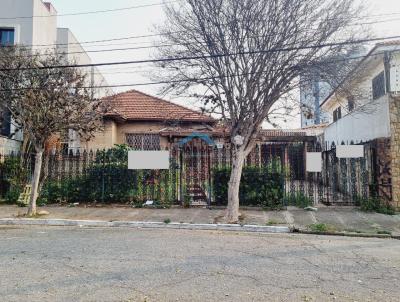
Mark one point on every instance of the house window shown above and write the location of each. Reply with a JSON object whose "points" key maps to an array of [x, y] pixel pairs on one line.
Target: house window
{"points": [[74, 143], [5, 123], [378, 86], [6, 36], [350, 105], [145, 142], [337, 114]]}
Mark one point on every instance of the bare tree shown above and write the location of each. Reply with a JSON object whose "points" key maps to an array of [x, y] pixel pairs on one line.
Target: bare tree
{"points": [[45, 100], [244, 56]]}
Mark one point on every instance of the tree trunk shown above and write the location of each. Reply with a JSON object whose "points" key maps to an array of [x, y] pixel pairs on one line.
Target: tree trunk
{"points": [[35, 182], [232, 212]]}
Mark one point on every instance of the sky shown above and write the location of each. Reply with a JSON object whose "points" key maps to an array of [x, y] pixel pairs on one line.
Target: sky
{"points": [[141, 21]]}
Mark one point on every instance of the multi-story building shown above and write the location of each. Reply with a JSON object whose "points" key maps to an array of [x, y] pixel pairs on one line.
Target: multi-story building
{"points": [[370, 115], [33, 23], [312, 93]]}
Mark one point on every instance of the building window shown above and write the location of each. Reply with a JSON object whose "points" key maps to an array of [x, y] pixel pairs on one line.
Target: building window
{"points": [[74, 142], [350, 105], [145, 142], [378, 86], [6, 36], [5, 123], [337, 114]]}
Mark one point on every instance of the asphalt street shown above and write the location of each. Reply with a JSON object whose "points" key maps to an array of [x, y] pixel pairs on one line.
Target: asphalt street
{"points": [[81, 264]]}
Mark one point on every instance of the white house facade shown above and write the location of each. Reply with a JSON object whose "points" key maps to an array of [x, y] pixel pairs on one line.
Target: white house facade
{"points": [[365, 109], [33, 23]]}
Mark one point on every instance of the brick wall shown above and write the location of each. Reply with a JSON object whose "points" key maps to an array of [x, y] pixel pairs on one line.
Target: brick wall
{"points": [[382, 168], [395, 148]]}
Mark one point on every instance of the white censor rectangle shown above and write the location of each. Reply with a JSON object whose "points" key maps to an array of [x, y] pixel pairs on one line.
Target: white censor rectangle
{"points": [[314, 162], [349, 151], [148, 160]]}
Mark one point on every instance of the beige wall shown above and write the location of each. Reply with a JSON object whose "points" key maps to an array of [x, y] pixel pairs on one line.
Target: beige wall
{"points": [[114, 133], [104, 139]]}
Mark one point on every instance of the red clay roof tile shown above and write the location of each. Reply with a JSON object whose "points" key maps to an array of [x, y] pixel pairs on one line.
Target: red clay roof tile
{"points": [[136, 105]]}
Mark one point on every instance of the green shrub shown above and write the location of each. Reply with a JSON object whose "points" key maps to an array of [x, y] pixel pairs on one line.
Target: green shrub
{"points": [[299, 200], [375, 204], [320, 227], [12, 195], [13, 177], [258, 187], [109, 180]]}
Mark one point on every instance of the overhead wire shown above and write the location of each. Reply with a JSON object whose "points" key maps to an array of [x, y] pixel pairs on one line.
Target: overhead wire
{"points": [[220, 55]]}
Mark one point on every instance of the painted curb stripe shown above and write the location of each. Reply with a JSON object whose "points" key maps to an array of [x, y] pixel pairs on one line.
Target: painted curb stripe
{"points": [[150, 225]]}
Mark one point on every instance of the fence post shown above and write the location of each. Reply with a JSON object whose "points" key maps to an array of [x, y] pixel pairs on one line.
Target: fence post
{"points": [[180, 174], [103, 159]]}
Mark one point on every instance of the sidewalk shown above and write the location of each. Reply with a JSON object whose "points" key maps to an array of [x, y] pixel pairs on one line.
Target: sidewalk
{"points": [[335, 218]]}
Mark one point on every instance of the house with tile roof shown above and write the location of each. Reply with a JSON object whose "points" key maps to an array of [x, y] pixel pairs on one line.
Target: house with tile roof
{"points": [[146, 122]]}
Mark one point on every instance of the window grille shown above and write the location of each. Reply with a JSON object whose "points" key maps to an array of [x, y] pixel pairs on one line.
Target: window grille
{"points": [[350, 105], [145, 142], [337, 114], [378, 86]]}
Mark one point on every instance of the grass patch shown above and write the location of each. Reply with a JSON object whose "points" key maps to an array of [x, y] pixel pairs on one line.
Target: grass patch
{"points": [[277, 207], [384, 232], [273, 222], [353, 231], [374, 204], [24, 215], [299, 200], [167, 221], [321, 228]]}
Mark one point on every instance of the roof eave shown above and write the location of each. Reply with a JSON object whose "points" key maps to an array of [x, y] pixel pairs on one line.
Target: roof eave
{"points": [[367, 56]]}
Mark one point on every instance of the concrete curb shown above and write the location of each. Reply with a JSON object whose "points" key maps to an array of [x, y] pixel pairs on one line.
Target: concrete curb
{"points": [[145, 225], [344, 234]]}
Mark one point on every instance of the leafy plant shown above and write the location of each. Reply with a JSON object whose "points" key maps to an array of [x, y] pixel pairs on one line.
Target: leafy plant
{"points": [[167, 221], [13, 178], [299, 200], [12, 195], [320, 227], [259, 186], [273, 222], [375, 204], [107, 179], [187, 200]]}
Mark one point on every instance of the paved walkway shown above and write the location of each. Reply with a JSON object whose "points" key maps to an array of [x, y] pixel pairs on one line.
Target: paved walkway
{"points": [[336, 218]]}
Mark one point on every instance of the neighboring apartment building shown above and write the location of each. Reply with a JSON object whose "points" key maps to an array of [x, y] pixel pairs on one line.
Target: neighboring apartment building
{"points": [[370, 114], [33, 23], [312, 93]]}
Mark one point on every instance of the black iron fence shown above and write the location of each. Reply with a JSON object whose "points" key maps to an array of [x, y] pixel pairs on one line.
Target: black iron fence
{"points": [[274, 175]]}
